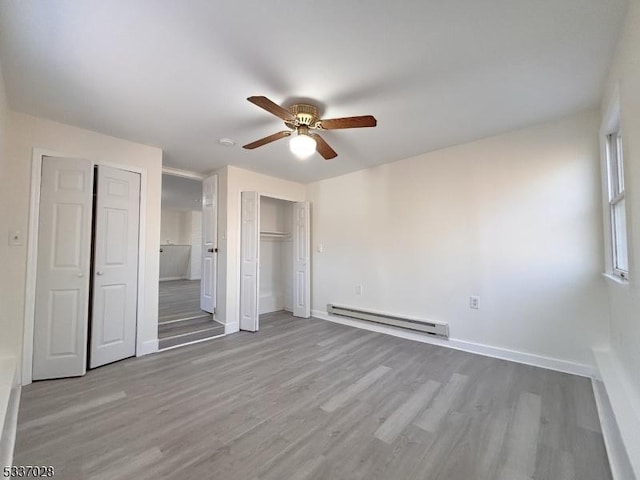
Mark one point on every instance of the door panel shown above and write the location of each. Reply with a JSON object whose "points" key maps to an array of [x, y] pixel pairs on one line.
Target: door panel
{"points": [[115, 275], [301, 260], [209, 243], [62, 285], [249, 266]]}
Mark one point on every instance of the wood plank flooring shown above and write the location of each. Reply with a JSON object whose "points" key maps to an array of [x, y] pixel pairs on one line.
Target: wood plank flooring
{"points": [[179, 299], [308, 399], [180, 320]]}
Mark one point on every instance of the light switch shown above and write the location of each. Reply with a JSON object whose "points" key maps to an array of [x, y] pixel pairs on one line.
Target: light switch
{"points": [[15, 238], [320, 248]]}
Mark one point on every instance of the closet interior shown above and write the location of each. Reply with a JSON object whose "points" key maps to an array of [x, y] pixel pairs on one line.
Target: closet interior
{"points": [[276, 255]]}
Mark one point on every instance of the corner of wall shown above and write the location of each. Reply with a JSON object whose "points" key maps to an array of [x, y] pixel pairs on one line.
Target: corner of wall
{"points": [[616, 408]]}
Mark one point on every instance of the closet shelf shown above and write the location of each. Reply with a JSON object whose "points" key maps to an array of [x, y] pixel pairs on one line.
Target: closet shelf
{"points": [[275, 234]]}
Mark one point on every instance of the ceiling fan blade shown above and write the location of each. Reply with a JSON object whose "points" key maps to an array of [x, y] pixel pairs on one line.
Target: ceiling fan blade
{"points": [[269, 139], [274, 108], [349, 122], [323, 147]]}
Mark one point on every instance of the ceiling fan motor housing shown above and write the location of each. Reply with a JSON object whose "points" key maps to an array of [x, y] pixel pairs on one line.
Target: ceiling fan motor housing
{"points": [[305, 114]]}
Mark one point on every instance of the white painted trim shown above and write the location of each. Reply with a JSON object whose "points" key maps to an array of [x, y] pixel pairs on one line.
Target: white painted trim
{"points": [[616, 280], [168, 279], [32, 255], [625, 409], [191, 343], [232, 327], [9, 401], [150, 346], [478, 348], [277, 196], [616, 453], [184, 319], [610, 121], [10, 428], [177, 172]]}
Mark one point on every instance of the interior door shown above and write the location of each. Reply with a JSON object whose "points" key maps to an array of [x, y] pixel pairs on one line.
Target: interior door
{"points": [[301, 260], [249, 265], [115, 266], [64, 251], [209, 243]]}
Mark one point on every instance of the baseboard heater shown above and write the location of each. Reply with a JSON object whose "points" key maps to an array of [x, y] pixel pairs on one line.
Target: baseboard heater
{"points": [[431, 327]]}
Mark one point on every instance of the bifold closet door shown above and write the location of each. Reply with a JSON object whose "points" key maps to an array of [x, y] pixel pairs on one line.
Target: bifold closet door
{"points": [[115, 269], [64, 252], [249, 260], [301, 260]]}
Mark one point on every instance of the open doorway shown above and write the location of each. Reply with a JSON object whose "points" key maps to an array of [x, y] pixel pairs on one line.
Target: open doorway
{"points": [[274, 258], [182, 316]]}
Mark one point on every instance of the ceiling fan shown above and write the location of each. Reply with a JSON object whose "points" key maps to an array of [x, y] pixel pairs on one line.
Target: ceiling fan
{"points": [[301, 119]]}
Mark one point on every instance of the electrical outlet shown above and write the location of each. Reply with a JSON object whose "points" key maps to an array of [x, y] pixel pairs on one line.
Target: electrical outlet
{"points": [[358, 289], [474, 302]]}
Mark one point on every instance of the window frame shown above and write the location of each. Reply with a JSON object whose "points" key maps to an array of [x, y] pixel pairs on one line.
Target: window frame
{"points": [[612, 156]]}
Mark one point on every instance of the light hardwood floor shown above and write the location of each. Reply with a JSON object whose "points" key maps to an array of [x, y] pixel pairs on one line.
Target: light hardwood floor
{"points": [[180, 320], [308, 399], [179, 299]]}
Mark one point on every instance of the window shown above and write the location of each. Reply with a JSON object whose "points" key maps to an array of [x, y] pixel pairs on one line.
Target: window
{"points": [[617, 212]]}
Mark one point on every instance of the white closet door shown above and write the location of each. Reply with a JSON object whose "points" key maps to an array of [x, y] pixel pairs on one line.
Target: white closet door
{"points": [[209, 243], [115, 275], [249, 265], [301, 260], [62, 286]]}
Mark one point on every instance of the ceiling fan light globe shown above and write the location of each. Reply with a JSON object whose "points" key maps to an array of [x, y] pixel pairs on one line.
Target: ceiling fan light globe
{"points": [[302, 146]]}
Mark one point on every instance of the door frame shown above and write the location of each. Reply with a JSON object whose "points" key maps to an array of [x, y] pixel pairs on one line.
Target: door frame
{"points": [[275, 196], [32, 253]]}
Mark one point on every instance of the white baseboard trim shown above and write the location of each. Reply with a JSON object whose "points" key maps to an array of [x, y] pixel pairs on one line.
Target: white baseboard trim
{"points": [[616, 451], [271, 303], [9, 401], [619, 412], [167, 279], [10, 427], [481, 349], [150, 346], [195, 278], [231, 327]]}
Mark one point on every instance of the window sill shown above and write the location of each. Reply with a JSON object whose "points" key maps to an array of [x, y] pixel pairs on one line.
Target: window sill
{"points": [[615, 280]]}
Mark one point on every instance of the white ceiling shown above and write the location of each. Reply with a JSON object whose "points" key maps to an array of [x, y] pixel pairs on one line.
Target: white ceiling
{"points": [[176, 73], [179, 193]]}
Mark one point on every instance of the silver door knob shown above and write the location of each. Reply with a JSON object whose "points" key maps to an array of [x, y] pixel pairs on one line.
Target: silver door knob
{"points": [[99, 272], [80, 275]]}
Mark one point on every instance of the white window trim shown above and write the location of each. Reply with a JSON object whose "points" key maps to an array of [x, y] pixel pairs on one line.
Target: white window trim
{"points": [[610, 124]]}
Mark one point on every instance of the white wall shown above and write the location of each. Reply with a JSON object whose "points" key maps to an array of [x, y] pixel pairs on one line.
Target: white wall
{"points": [[515, 219], [3, 121], [25, 133], [7, 347], [175, 227], [195, 265], [183, 227], [276, 254], [232, 181], [625, 300]]}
